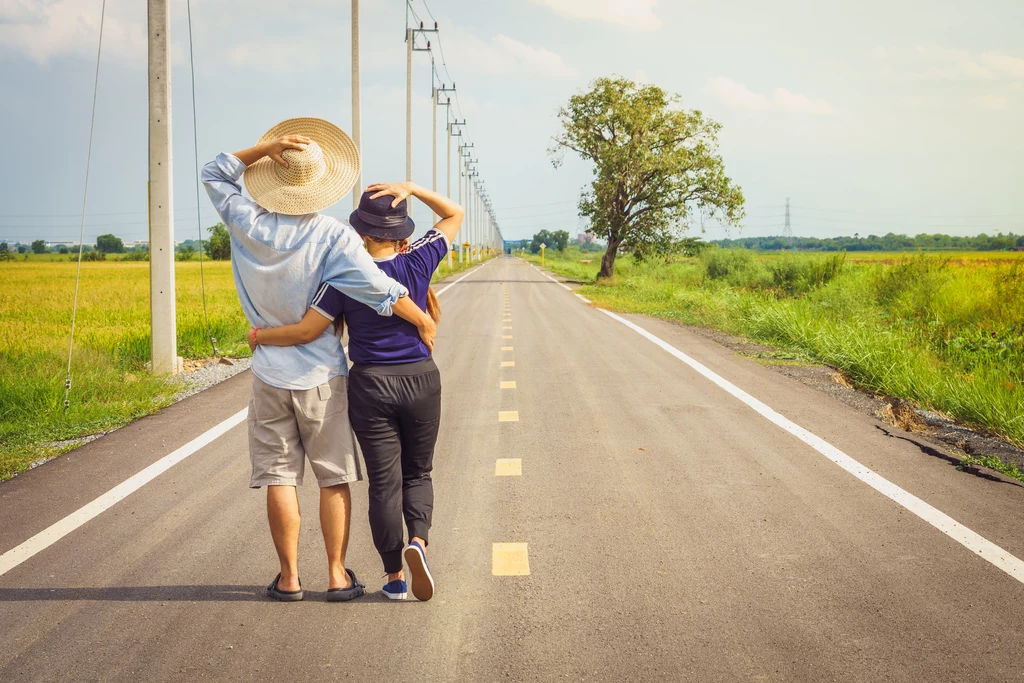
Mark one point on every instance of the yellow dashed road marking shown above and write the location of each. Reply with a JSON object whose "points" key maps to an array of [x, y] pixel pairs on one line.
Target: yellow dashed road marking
{"points": [[509, 559], [508, 363], [508, 416], [506, 348], [506, 336], [507, 327], [508, 385], [508, 467]]}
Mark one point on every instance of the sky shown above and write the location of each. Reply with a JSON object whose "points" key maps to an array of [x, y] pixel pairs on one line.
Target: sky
{"points": [[871, 117]]}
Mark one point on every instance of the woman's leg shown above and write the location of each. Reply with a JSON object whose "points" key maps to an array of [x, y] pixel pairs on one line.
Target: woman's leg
{"points": [[378, 432], [418, 423]]}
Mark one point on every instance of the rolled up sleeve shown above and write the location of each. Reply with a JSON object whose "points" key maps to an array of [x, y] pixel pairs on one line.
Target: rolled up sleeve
{"points": [[351, 270], [220, 177]]}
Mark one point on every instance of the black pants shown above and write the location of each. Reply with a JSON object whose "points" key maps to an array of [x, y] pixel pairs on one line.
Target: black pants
{"points": [[395, 411]]}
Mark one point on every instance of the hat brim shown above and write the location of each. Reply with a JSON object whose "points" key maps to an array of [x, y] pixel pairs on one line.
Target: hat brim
{"points": [[402, 232], [341, 159]]}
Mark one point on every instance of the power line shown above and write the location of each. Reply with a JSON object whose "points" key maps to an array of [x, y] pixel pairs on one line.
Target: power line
{"points": [[195, 162], [85, 199]]}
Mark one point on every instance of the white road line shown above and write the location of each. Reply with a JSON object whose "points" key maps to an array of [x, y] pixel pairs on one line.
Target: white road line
{"points": [[974, 542], [471, 271], [47, 537], [560, 284]]}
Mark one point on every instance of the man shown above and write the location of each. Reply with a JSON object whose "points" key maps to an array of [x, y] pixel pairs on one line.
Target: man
{"points": [[281, 251]]}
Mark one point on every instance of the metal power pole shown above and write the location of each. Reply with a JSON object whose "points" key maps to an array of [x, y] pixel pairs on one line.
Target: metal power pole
{"points": [[356, 112], [161, 219]]}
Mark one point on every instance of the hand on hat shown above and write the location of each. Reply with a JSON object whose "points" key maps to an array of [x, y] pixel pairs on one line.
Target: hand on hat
{"points": [[275, 148], [400, 191]]}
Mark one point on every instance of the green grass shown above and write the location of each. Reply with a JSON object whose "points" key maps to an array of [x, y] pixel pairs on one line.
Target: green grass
{"points": [[944, 333], [110, 385]]}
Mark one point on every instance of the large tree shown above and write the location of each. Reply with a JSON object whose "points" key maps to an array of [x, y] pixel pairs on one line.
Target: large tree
{"points": [[657, 169], [219, 244]]}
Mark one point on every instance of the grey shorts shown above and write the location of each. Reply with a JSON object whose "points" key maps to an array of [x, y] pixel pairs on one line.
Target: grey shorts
{"points": [[289, 426]]}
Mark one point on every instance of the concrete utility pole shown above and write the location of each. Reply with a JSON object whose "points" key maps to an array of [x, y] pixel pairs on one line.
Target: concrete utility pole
{"points": [[433, 142], [357, 191], [161, 214], [435, 94], [465, 155], [410, 35]]}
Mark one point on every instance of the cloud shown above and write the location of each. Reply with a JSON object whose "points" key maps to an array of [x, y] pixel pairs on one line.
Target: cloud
{"points": [[635, 14], [992, 102], [43, 31], [502, 55], [739, 96], [937, 63]]}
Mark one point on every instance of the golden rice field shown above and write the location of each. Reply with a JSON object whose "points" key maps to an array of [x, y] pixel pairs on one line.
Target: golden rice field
{"points": [[110, 385]]}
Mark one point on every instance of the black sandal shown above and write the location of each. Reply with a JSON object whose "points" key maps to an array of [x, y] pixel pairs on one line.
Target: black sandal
{"points": [[275, 593], [357, 589]]}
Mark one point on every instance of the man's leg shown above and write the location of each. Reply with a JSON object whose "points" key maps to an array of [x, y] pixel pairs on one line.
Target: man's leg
{"points": [[330, 447], [277, 463], [283, 513], [335, 519]]}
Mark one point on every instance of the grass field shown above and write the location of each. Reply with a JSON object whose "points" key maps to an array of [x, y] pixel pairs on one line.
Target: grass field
{"points": [[944, 331], [110, 385]]}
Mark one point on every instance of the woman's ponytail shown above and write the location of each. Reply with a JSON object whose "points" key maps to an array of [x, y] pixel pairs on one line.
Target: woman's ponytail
{"points": [[433, 307]]}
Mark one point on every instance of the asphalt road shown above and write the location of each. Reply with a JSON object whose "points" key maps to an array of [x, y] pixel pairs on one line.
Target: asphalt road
{"points": [[671, 532]]}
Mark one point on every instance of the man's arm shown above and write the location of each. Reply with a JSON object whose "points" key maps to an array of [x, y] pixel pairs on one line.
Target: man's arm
{"points": [[221, 175], [406, 309]]}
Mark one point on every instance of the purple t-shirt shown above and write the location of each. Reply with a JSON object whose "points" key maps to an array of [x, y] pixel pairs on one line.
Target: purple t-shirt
{"points": [[376, 339]]}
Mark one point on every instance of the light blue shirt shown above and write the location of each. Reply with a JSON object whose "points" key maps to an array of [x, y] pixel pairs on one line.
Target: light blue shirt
{"points": [[279, 262]]}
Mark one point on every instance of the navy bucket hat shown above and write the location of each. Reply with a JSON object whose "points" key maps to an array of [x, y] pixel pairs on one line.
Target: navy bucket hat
{"points": [[377, 218]]}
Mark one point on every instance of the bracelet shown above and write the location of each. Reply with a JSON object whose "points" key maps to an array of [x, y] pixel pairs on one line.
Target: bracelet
{"points": [[252, 335]]}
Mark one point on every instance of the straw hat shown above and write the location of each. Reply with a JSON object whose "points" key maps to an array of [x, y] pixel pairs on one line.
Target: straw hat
{"points": [[315, 178]]}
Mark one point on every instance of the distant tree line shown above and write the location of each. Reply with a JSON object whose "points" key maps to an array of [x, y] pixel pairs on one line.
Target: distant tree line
{"points": [[889, 242], [217, 247]]}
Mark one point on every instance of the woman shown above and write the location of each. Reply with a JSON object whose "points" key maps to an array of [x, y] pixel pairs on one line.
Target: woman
{"points": [[394, 386]]}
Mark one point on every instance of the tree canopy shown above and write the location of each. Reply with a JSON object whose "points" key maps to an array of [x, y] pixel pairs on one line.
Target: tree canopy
{"points": [[110, 244], [219, 244], [557, 240], [656, 166]]}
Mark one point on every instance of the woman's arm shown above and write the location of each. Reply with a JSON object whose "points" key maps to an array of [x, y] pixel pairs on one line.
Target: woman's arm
{"points": [[451, 213], [312, 326]]}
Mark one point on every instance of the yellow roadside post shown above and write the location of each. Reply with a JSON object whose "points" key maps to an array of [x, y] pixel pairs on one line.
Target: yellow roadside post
{"points": [[542, 248], [465, 246]]}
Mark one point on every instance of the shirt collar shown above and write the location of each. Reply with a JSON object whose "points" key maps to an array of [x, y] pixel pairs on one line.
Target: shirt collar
{"points": [[385, 258]]}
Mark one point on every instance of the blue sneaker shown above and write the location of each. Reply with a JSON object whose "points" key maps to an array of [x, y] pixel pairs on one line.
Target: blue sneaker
{"points": [[395, 590], [422, 581]]}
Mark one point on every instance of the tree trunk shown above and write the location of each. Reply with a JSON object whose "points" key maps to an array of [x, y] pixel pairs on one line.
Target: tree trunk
{"points": [[608, 260]]}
